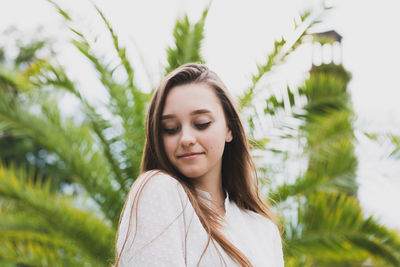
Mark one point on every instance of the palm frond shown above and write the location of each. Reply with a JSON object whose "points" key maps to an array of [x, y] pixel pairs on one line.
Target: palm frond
{"points": [[34, 249], [16, 218], [121, 51], [333, 227], [12, 80], [282, 48], [7, 78], [73, 144], [396, 141], [188, 39], [331, 160], [126, 102], [57, 213], [48, 74], [134, 139], [324, 93], [389, 141]]}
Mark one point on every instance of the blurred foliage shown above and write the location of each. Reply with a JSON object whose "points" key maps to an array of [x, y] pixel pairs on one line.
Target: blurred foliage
{"points": [[99, 154], [396, 142], [15, 69], [337, 71], [331, 228], [188, 39], [385, 140]]}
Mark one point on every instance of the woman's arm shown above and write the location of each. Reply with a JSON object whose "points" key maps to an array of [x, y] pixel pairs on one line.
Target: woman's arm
{"points": [[151, 231], [278, 247]]}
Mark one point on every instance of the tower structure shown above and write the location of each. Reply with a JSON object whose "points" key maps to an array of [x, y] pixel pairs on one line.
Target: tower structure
{"points": [[327, 48]]}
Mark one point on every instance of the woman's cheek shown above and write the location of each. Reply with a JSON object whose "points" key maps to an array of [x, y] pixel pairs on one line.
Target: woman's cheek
{"points": [[168, 146], [214, 142]]}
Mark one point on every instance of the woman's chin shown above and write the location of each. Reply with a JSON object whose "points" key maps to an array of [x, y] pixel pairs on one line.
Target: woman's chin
{"points": [[192, 173]]}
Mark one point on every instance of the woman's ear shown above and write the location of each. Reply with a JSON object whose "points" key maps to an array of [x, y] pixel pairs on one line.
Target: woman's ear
{"points": [[228, 137]]}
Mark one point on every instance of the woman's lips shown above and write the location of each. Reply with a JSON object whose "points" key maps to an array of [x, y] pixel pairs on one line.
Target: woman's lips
{"points": [[190, 155]]}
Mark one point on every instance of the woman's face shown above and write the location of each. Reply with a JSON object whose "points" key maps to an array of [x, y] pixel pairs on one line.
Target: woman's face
{"points": [[194, 130]]}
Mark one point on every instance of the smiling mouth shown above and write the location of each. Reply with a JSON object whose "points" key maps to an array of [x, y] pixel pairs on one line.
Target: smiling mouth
{"points": [[190, 155]]}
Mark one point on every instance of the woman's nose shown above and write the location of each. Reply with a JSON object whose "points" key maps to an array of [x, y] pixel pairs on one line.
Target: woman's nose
{"points": [[187, 138]]}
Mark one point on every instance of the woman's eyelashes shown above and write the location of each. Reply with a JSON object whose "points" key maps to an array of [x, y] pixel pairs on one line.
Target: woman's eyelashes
{"points": [[202, 126], [171, 130]]}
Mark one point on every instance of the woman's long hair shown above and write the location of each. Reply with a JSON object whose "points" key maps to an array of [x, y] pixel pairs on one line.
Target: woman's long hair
{"points": [[239, 177]]}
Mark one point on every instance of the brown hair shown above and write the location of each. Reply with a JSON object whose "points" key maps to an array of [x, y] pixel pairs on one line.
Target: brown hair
{"points": [[239, 176]]}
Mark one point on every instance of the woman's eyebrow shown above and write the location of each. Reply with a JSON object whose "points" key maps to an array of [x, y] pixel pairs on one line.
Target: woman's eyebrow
{"points": [[194, 112], [168, 116], [200, 111]]}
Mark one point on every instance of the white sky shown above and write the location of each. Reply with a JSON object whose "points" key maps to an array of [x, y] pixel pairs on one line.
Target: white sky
{"points": [[237, 36]]}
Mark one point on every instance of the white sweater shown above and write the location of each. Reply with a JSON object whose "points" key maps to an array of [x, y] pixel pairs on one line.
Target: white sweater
{"points": [[169, 232]]}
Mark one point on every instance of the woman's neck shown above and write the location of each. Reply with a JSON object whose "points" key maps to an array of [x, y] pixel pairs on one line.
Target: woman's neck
{"points": [[215, 189]]}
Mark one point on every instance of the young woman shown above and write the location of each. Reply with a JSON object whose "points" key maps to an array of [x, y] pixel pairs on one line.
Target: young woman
{"points": [[196, 202]]}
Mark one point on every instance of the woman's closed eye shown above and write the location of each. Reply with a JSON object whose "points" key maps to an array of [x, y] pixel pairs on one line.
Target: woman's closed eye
{"points": [[170, 130], [202, 126]]}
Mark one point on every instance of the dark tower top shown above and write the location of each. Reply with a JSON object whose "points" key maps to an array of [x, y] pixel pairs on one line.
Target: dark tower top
{"points": [[327, 37]]}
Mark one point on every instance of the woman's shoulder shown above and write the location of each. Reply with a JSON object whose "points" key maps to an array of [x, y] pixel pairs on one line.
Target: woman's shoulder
{"points": [[157, 178], [151, 217], [156, 184]]}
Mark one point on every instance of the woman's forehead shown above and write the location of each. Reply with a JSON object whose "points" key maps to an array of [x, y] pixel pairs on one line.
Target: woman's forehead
{"points": [[194, 112], [191, 98]]}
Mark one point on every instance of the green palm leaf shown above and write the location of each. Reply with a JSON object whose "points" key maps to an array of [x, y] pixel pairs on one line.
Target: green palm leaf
{"points": [[188, 39], [73, 144], [35, 249], [56, 213], [332, 228]]}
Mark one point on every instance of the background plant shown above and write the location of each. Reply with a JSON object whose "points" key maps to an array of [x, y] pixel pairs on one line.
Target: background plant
{"points": [[99, 155]]}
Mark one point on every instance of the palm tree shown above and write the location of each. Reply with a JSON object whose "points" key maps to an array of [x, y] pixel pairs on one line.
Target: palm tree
{"points": [[101, 154], [330, 228]]}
